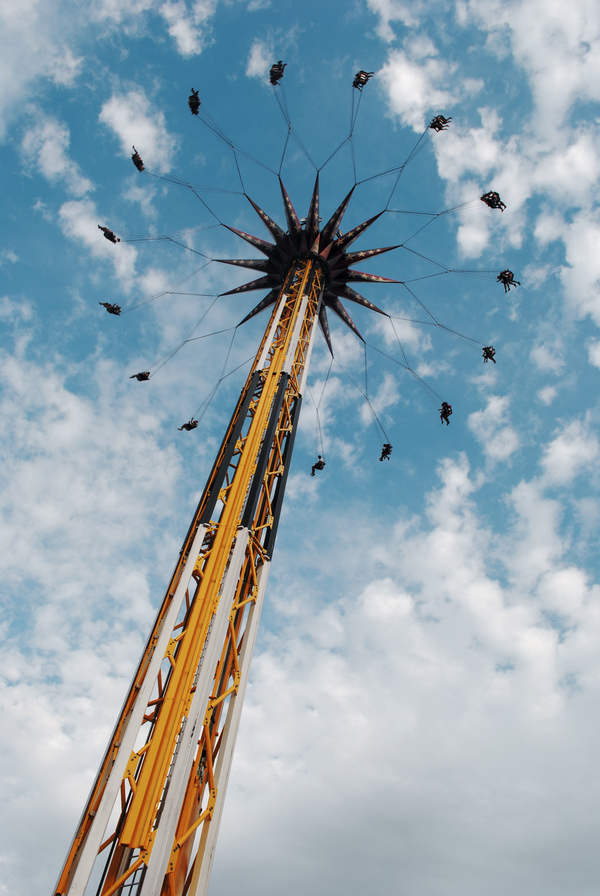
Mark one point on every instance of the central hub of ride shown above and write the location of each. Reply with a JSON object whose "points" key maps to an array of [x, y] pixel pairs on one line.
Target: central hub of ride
{"points": [[320, 262], [303, 240]]}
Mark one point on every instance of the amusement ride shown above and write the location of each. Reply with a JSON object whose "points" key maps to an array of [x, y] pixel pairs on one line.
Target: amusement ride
{"points": [[150, 824]]}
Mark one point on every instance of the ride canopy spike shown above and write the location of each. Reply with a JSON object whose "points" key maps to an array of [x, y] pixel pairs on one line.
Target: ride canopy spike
{"points": [[329, 245], [324, 323], [331, 228], [268, 300]]}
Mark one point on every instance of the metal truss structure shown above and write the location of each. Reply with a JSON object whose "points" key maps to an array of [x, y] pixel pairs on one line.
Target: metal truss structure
{"points": [[150, 825]]}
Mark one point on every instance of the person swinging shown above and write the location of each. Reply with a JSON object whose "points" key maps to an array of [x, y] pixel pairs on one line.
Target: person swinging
{"points": [[276, 73], [194, 102], [507, 279], [137, 160], [361, 78], [112, 309], [386, 451], [188, 426], [320, 464], [439, 123], [445, 413], [492, 200], [109, 235]]}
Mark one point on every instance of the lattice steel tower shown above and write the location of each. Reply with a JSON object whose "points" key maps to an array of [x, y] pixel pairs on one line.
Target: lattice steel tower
{"points": [[151, 821]]}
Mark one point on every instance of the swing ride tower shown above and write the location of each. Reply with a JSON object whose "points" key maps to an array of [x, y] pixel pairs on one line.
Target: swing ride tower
{"points": [[150, 824]]}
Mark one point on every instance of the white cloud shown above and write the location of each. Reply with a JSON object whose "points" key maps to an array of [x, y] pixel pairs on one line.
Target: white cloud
{"points": [[432, 368], [475, 226], [8, 255], [534, 276], [549, 227], [547, 394], [427, 671], [581, 275], [425, 711], [79, 221], [260, 59], [414, 84], [563, 169], [534, 545], [569, 453], [559, 47], [141, 194], [547, 355], [79, 475], [188, 25], [12, 310], [43, 209], [134, 122], [118, 11], [38, 40], [394, 11], [472, 85], [594, 352], [561, 59], [401, 328], [491, 428], [567, 170], [386, 396], [44, 148], [30, 37], [65, 67], [470, 150]]}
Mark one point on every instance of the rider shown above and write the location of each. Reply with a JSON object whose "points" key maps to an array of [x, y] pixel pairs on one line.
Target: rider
{"points": [[188, 426], [488, 354], [492, 200], [386, 451], [137, 160], [276, 73], [507, 278], [318, 466], [141, 377], [439, 123], [112, 309], [194, 102], [109, 235], [445, 412], [361, 78]]}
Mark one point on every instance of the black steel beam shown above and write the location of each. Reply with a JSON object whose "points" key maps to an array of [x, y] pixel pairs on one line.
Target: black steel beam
{"points": [[279, 495], [265, 452]]}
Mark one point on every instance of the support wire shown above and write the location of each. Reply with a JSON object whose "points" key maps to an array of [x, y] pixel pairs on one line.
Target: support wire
{"points": [[318, 421], [145, 300], [317, 405], [158, 365], [375, 417]]}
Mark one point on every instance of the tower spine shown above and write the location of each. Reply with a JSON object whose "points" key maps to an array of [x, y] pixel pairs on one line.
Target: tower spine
{"points": [[151, 821]]}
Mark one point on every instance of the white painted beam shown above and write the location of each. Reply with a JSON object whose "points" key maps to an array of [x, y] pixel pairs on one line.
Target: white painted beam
{"points": [[97, 830], [201, 875], [169, 819]]}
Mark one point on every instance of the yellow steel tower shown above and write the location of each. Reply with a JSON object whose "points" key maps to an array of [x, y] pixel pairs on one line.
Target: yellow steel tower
{"points": [[151, 821]]}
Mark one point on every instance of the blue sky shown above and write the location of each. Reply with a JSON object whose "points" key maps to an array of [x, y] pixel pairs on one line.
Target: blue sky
{"points": [[422, 713]]}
